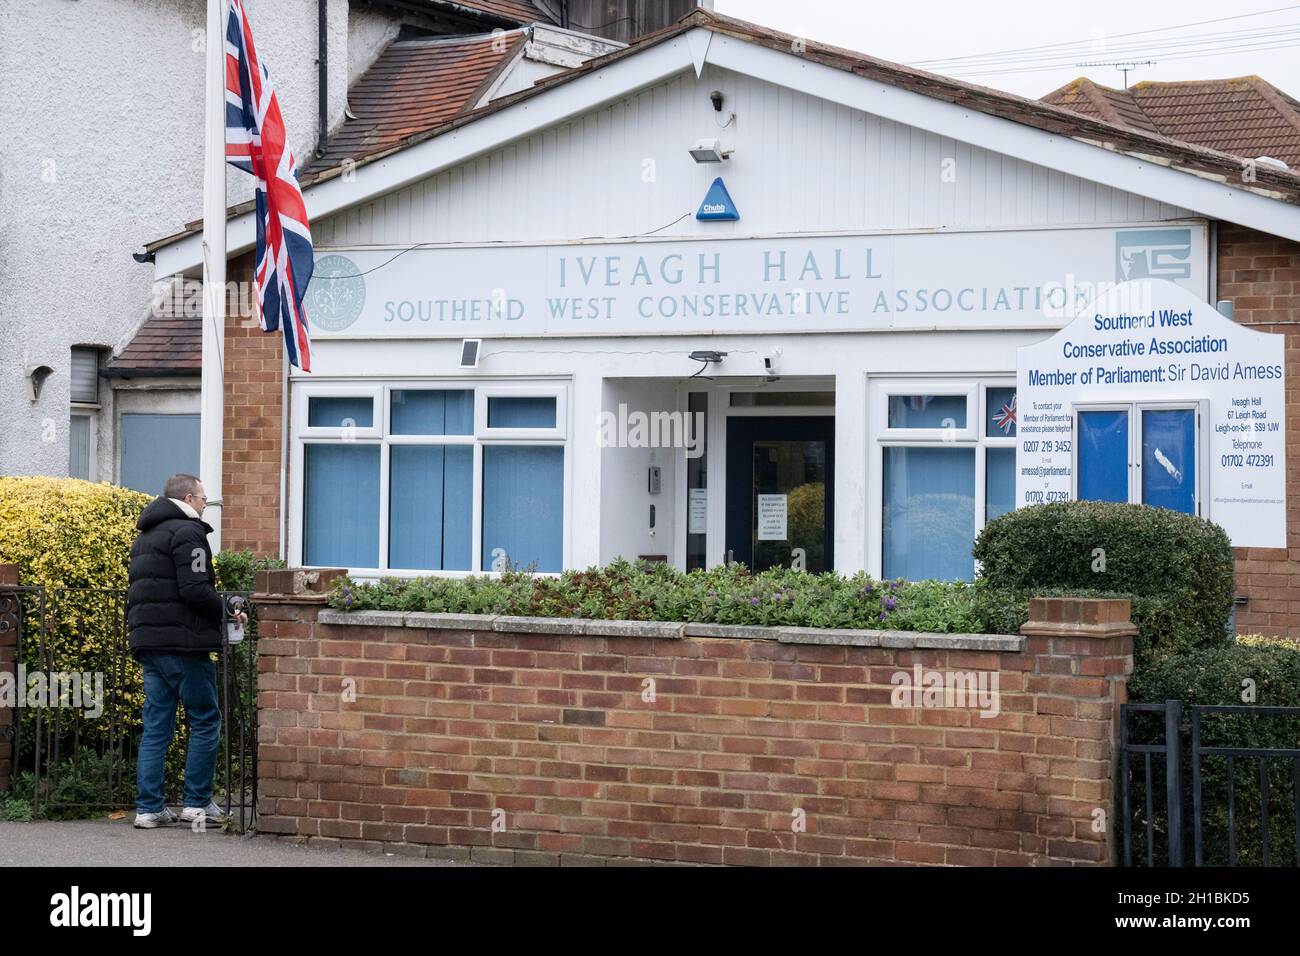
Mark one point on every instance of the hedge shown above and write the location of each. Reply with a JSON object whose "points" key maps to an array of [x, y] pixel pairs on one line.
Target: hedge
{"points": [[722, 595], [74, 538], [1253, 670], [1176, 569]]}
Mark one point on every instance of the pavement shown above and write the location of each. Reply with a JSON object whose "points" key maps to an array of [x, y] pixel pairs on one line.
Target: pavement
{"points": [[107, 842]]}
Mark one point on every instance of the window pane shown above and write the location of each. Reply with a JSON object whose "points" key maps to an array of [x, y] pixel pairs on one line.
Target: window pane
{"points": [[999, 482], [1169, 458], [358, 412], [1103, 456], [429, 412], [929, 520], [340, 526], [506, 412], [155, 447], [523, 505], [79, 447], [430, 507], [1000, 404], [85, 375], [927, 411]]}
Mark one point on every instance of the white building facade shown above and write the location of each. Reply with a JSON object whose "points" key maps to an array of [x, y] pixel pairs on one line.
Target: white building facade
{"points": [[534, 345]]}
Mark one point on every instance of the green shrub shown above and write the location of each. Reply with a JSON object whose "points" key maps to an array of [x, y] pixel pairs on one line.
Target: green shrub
{"points": [[1263, 672], [1177, 569], [720, 595]]}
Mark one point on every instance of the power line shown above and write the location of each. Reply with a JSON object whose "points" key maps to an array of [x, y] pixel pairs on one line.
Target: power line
{"points": [[1190, 54], [1047, 46]]}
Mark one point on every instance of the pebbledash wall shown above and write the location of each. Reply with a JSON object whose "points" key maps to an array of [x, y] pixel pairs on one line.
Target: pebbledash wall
{"points": [[550, 741], [1259, 272]]}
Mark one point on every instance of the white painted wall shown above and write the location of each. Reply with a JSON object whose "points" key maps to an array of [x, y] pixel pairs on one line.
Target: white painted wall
{"points": [[624, 505], [801, 164], [102, 152]]}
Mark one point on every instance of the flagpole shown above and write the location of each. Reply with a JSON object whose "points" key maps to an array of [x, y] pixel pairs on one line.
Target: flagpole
{"points": [[214, 267]]}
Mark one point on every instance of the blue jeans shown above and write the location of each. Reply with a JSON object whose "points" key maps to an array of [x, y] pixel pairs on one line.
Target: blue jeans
{"points": [[193, 681]]}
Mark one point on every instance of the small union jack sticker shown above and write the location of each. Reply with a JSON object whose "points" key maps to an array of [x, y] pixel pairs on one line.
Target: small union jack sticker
{"points": [[1006, 417]]}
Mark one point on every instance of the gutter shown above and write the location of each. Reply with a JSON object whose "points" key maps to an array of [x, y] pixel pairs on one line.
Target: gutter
{"points": [[322, 75]]}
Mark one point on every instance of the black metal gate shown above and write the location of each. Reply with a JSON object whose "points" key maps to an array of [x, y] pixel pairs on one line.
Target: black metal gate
{"points": [[1220, 780], [75, 747]]}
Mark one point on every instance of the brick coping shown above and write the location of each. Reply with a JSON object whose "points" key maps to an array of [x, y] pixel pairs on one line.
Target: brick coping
{"points": [[674, 630]]}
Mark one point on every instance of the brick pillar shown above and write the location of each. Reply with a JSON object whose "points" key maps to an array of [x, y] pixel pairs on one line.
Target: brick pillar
{"points": [[8, 669], [1082, 650], [288, 601]]}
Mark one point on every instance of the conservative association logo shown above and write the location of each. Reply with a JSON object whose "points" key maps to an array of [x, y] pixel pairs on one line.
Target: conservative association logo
{"points": [[1153, 254], [336, 294]]}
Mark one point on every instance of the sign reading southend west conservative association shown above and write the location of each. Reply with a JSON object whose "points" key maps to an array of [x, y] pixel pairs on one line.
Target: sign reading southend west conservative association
{"points": [[1152, 395], [979, 279]]}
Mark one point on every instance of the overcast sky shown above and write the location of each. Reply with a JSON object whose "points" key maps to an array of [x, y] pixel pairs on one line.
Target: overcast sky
{"points": [[1050, 37]]}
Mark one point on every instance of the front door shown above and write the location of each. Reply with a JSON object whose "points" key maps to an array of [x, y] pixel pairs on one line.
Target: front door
{"points": [[780, 492]]}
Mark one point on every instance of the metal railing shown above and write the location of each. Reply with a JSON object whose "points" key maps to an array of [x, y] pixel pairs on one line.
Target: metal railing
{"points": [[75, 756], [1186, 792]]}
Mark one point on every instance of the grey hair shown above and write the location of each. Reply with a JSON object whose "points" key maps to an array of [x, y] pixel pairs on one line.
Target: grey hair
{"points": [[178, 486]]}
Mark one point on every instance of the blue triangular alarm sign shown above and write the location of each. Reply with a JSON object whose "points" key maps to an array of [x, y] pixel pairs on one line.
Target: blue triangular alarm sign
{"points": [[717, 204]]}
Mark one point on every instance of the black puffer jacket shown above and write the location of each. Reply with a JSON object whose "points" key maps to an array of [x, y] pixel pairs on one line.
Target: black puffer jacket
{"points": [[172, 605]]}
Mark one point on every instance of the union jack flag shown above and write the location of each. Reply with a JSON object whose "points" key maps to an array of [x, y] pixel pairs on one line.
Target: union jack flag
{"points": [[256, 143], [1006, 418]]}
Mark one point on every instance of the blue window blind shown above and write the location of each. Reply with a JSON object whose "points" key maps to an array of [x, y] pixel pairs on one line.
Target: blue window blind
{"points": [[155, 447], [999, 482], [1103, 456], [430, 507], [929, 519], [927, 411], [328, 412], [523, 505], [340, 526], [1169, 458], [1000, 410], [432, 412], [509, 412]]}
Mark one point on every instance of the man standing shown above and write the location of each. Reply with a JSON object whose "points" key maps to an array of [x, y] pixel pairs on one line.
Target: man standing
{"points": [[174, 614]]}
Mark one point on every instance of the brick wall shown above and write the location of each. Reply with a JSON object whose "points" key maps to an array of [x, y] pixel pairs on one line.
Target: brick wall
{"points": [[250, 478], [754, 750], [1261, 274]]}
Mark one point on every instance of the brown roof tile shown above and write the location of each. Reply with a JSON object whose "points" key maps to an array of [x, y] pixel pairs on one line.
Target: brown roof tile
{"points": [[1245, 116], [165, 344], [413, 87]]}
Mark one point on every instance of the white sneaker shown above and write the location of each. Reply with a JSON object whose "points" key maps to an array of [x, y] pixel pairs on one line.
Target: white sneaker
{"points": [[150, 821], [211, 814]]}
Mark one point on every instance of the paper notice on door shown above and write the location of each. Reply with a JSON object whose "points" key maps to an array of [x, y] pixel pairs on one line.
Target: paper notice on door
{"points": [[697, 511], [772, 517]]}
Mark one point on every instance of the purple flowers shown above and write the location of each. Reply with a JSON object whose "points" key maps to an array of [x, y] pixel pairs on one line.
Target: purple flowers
{"points": [[868, 590], [889, 605], [753, 602]]}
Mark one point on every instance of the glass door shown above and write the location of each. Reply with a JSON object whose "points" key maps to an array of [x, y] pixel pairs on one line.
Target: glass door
{"points": [[780, 490]]}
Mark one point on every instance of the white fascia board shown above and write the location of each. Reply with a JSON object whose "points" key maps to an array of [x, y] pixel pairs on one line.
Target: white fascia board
{"points": [[418, 162], [1156, 180]]}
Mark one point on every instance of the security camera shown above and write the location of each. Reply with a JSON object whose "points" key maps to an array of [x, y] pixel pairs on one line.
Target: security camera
{"points": [[771, 361]]}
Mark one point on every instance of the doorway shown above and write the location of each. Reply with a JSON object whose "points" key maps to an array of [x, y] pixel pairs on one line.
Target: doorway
{"points": [[780, 492]]}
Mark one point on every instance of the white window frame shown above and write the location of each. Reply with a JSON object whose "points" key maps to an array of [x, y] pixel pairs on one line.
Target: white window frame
{"points": [[381, 436], [974, 435], [374, 393], [1134, 410], [91, 413]]}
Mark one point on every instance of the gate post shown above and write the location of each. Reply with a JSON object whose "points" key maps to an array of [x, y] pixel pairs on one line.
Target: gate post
{"points": [[1174, 778], [10, 614]]}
